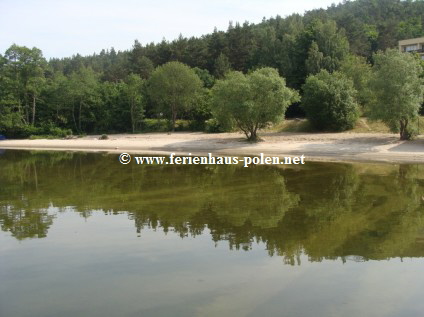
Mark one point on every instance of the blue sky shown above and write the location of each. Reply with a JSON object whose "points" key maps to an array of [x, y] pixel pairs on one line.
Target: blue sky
{"points": [[63, 28]]}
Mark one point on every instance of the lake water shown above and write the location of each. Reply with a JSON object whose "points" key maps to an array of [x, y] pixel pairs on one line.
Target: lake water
{"points": [[82, 235]]}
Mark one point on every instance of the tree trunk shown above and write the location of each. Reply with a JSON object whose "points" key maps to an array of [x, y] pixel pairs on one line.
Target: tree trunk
{"points": [[79, 116], [404, 135], [132, 116], [33, 109], [253, 136], [174, 117], [73, 116], [27, 112]]}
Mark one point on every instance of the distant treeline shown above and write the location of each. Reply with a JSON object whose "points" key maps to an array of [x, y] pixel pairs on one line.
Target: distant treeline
{"points": [[107, 92]]}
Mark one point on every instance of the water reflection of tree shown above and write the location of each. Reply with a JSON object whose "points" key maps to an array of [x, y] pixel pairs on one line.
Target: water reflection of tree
{"points": [[223, 198], [24, 223], [377, 216], [326, 211]]}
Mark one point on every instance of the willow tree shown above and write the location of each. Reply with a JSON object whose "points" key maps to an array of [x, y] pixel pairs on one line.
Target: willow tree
{"points": [[396, 91], [173, 87], [252, 101]]}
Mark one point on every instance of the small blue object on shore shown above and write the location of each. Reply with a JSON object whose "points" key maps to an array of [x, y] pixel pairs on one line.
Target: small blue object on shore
{"points": [[2, 137]]}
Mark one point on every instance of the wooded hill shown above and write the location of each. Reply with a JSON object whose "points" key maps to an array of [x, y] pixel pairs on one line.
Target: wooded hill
{"points": [[105, 92], [282, 43]]}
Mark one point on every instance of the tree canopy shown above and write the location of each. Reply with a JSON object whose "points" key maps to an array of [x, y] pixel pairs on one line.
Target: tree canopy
{"points": [[329, 101], [173, 87], [252, 101], [396, 91]]}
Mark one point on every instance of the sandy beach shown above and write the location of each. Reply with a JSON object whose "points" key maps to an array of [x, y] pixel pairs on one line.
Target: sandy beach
{"points": [[316, 146]]}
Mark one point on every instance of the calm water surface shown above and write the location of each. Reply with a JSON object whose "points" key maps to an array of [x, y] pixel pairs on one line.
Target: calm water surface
{"points": [[82, 235]]}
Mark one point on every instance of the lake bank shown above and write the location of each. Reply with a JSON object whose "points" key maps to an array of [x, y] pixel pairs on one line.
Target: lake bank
{"points": [[378, 147]]}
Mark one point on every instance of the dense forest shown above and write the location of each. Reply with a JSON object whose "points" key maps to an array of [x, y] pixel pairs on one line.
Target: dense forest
{"points": [[111, 91]]}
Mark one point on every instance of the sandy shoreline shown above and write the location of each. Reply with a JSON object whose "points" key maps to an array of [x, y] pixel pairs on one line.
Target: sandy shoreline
{"points": [[316, 147]]}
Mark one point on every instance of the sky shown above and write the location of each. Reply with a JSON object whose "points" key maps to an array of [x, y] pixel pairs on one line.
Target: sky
{"points": [[62, 28]]}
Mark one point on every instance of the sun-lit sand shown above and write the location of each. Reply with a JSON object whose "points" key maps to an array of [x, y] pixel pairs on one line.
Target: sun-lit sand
{"points": [[317, 146]]}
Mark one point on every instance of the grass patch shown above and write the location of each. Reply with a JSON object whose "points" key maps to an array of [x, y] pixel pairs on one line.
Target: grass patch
{"points": [[297, 125], [164, 125], [292, 125], [363, 125], [39, 137]]}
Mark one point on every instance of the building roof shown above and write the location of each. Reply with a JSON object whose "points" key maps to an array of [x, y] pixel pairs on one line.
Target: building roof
{"points": [[412, 41]]}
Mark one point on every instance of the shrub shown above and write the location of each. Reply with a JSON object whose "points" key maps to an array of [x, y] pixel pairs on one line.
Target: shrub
{"points": [[213, 126], [155, 125], [26, 131], [164, 125], [329, 101]]}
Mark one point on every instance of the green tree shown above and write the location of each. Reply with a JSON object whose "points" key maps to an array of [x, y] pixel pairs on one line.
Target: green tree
{"points": [[143, 66], [222, 66], [173, 87], [83, 94], [314, 60], [252, 101], [241, 45], [359, 71], [396, 91], [207, 79], [329, 101], [322, 46], [55, 100], [134, 96], [24, 69]]}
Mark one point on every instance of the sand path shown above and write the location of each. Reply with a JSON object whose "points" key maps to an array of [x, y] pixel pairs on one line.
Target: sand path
{"points": [[317, 146]]}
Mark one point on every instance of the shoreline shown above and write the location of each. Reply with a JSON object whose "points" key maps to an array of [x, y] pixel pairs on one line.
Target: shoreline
{"points": [[330, 147]]}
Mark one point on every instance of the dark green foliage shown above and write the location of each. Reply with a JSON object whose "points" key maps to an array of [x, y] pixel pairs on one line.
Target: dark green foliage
{"points": [[99, 93], [204, 75], [164, 125], [212, 126], [155, 125], [328, 46], [26, 131], [329, 101], [201, 111], [222, 66], [359, 71]]}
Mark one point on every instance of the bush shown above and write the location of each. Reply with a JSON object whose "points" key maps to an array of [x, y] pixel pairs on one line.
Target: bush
{"points": [[164, 125], [181, 125], [22, 132], [213, 126], [58, 132], [45, 131], [155, 125], [104, 137], [329, 101], [195, 125]]}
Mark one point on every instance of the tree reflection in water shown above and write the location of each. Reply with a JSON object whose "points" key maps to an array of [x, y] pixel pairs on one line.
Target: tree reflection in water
{"points": [[327, 211]]}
